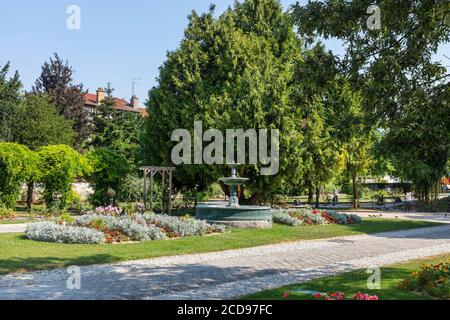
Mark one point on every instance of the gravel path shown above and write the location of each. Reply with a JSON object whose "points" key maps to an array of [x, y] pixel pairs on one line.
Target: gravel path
{"points": [[13, 228], [231, 273]]}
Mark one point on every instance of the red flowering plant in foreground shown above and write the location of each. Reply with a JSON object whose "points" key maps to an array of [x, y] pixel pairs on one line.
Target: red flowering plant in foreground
{"points": [[341, 296]]}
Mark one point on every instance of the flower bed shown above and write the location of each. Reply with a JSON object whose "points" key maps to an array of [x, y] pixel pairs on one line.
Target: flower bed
{"points": [[53, 232], [433, 280], [313, 217], [98, 228]]}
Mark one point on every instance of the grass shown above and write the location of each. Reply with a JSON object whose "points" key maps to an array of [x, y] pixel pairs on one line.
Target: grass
{"points": [[18, 254], [352, 282]]}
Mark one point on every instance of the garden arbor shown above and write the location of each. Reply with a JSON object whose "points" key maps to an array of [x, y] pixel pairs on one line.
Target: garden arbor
{"points": [[152, 171]]}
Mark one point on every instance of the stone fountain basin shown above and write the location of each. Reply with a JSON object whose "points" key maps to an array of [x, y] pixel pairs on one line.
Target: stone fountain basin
{"points": [[236, 217]]}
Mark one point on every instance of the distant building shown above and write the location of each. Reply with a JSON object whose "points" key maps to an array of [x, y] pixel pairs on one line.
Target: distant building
{"points": [[92, 101]]}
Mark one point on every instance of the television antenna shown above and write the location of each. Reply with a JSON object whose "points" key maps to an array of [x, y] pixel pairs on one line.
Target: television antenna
{"points": [[134, 82]]}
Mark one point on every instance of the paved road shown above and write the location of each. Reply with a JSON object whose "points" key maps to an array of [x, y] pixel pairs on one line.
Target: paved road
{"points": [[231, 273]]}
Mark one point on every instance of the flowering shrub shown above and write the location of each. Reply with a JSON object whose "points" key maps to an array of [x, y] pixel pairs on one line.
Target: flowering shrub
{"points": [[53, 232], [314, 217], [341, 296], [432, 279], [108, 211]]}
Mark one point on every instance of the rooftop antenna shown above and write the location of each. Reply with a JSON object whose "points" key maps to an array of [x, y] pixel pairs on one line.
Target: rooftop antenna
{"points": [[134, 82]]}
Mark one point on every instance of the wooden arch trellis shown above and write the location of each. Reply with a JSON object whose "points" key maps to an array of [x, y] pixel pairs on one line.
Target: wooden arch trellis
{"points": [[152, 171]]}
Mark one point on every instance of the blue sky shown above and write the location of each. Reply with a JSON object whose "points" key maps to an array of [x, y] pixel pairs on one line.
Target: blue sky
{"points": [[118, 40]]}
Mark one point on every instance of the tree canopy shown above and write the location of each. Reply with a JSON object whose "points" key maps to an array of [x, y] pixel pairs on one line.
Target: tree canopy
{"points": [[233, 71]]}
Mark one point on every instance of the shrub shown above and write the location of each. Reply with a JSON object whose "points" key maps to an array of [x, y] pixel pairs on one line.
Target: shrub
{"points": [[66, 218], [52, 232], [314, 217], [131, 189], [284, 218], [108, 171], [182, 227], [131, 228], [59, 165], [432, 279], [6, 213], [17, 164]]}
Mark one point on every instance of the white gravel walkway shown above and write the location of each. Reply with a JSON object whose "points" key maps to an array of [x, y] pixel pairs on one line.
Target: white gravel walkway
{"points": [[231, 273]]}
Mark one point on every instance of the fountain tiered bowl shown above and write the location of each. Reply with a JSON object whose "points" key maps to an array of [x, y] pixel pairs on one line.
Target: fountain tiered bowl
{"points": [[233, 214]]}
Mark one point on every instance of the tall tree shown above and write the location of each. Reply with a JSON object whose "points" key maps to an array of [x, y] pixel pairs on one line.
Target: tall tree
{"points": [[38, 124], [56, 80], [233, 71], [117, 130], [10, 99], [392, 66]]}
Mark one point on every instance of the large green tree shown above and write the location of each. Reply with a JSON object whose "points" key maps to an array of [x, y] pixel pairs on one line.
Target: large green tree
{"points": [[393, 67], [56, 80], [233, 71], [39, 124]]}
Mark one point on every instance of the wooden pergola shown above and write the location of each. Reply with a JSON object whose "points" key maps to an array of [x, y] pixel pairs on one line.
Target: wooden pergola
{"points": [[152, 171]]}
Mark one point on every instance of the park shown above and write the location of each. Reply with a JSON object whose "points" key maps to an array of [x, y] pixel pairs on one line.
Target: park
{"points": [[266, 162]]}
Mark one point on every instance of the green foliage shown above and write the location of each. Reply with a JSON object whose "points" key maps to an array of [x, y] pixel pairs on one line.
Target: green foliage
{"points": [[17, 165], [10, 98], [39, 124], [403, 89], [233, 71], [59, 165], [432, 279], [131, 189], [117, 130], [109, 168], [6, 213]]}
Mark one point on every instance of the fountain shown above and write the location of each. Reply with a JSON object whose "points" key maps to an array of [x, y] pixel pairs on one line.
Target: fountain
{"points": [[233, 214]]}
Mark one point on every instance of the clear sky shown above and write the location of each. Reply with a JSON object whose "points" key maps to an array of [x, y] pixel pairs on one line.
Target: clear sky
{"points": [[118, 40]]}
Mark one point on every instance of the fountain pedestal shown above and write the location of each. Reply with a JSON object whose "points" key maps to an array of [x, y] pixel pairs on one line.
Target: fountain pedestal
{"points": [[233, 214]]}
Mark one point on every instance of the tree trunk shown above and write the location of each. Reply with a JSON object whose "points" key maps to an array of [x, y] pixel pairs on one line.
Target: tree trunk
{"points": [[30, 187], [310, 193], [317, 197], [355, 192]]}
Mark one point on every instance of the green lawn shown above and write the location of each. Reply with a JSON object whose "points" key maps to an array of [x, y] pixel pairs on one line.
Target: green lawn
{"points": [[20, 254], [352, 282]]}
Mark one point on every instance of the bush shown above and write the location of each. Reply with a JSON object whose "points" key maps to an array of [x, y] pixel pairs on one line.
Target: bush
{"points": [[284, 218], [59, 165], [314, 217], [52, 232], [131, 189], [17, 164], [182, 227], [108, 171], [433, 280], [6, 213], [128, 226]]}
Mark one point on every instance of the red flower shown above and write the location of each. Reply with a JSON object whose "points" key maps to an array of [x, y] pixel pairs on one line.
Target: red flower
{"points": [[286, 295], [317, 296]]}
